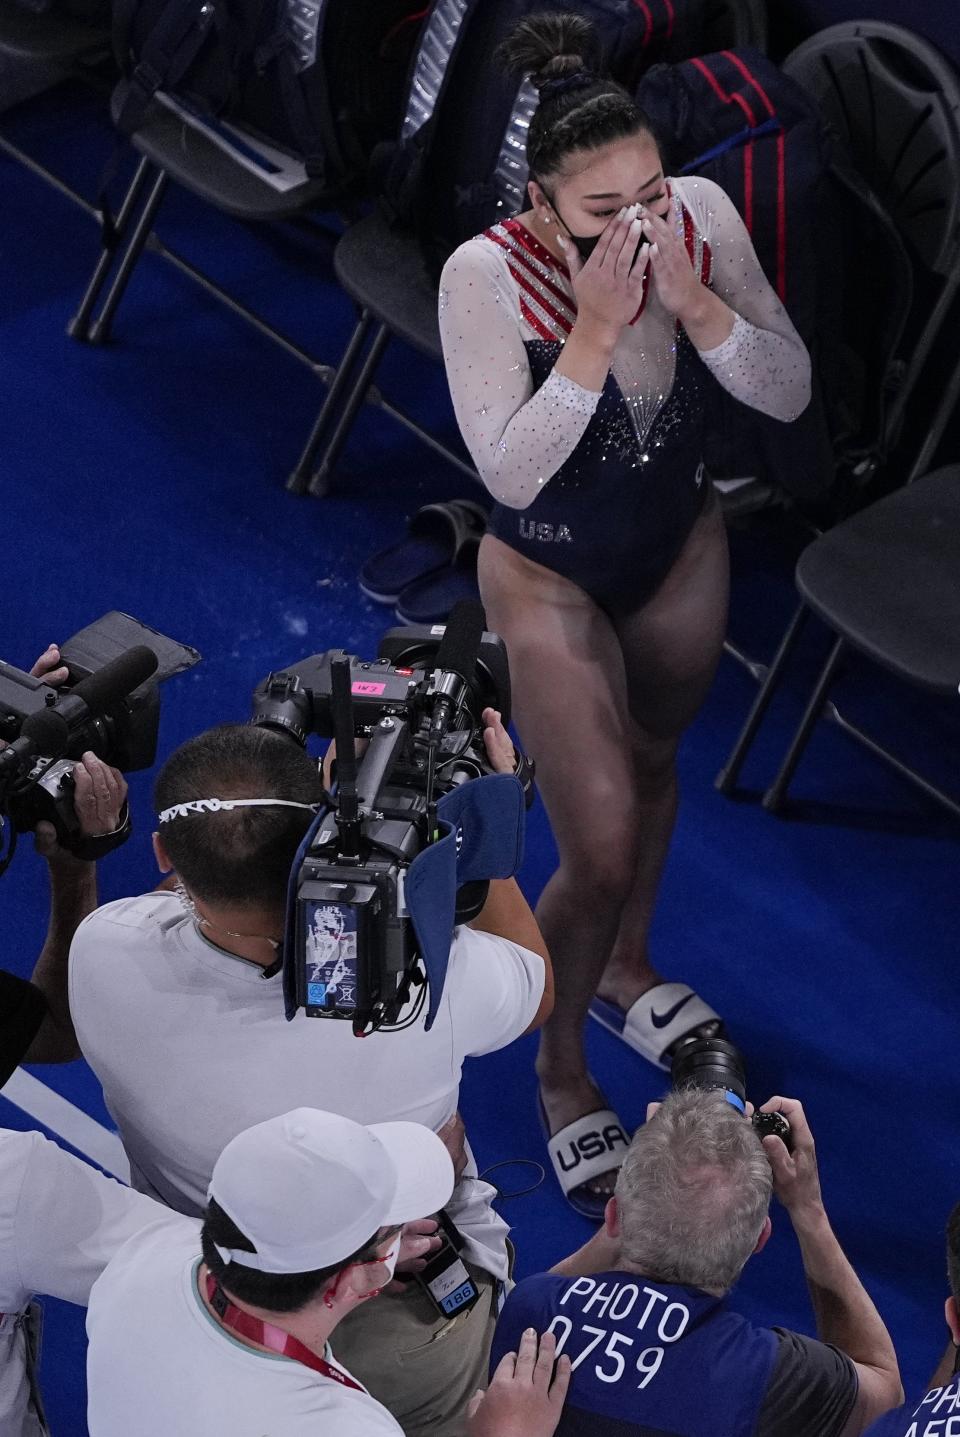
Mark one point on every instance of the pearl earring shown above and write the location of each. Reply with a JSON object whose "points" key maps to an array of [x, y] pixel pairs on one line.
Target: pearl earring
{"points": [[546, 219]]}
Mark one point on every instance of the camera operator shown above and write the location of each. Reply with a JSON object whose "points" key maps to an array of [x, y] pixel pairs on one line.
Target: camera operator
{"points": [[178, 1006], [641, 1310], [35, 1024], [303, 1226], [935, 1415], [60, 1223]]}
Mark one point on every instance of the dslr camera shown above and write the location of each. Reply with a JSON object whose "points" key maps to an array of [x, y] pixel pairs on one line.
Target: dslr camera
{"points": [[715, 1065], [110, 705], [419, 707]]}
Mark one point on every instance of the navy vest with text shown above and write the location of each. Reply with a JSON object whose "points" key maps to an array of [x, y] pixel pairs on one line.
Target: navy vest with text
{"points": [[649, 1360], [937, 1414]]}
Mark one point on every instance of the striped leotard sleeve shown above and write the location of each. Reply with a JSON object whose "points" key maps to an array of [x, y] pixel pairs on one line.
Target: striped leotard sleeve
{"points": [[518, 439]]}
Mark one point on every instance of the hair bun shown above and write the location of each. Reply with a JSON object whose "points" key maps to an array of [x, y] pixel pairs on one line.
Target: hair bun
{"points": [[550, 45]]}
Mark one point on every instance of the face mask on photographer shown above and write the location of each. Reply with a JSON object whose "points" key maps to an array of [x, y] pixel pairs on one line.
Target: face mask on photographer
{"points": [[389, 1259]]}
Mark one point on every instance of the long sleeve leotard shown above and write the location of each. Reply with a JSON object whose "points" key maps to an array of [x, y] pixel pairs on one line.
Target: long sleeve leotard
{"points": [[603, 487]]}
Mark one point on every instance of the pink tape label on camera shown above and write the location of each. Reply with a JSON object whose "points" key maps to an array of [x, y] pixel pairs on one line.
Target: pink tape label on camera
{"points": [[368, 690]]}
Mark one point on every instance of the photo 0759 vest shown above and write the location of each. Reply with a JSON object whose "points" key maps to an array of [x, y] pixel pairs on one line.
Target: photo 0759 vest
{"points": [[937, 1414], [648, 1359]]}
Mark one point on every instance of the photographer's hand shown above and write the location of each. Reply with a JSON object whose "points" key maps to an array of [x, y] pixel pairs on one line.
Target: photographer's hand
{"points": [[99, 796], [845, 1313], [49, 668], [796, 1179], [419, 1240], [498, 743], [525, 1397]]}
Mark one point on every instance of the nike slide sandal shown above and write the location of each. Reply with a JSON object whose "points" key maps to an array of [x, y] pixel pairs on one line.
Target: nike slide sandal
{"points": [[660, 1019], [583, 1151], [436, 534]]}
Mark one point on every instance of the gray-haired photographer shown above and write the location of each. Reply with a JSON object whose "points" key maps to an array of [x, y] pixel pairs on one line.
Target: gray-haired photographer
{"points": [[274, 916], [642, 1309]]}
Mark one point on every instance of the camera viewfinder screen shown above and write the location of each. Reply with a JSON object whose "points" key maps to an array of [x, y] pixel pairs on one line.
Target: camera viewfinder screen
{"points": [[331, 955]]}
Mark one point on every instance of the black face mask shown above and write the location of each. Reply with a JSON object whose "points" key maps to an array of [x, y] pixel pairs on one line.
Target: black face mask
{"points": [[586, 244]]}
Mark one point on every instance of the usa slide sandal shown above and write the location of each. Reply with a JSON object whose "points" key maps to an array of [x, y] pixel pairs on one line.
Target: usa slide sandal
{"points": [[657, 1021], [582, 1151]]}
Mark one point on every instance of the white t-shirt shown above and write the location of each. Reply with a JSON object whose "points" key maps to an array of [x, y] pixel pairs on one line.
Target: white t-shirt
{"points": [[158, 1365], [192, 1046], [60, 1223]]}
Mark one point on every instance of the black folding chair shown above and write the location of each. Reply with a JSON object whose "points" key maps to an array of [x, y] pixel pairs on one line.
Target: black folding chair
{"points": [[37, 52], [383, 269], [887, 583], [895, 101], [175, 147]]}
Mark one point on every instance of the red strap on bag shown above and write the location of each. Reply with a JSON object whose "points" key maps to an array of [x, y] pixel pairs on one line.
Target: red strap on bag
{"points": [[732, 98]]}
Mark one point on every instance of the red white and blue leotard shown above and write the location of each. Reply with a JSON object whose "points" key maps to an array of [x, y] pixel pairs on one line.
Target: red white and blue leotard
{"points": [[605, 487]]}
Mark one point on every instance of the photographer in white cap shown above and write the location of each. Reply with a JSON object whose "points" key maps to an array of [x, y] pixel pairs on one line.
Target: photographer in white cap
{"points": [[304, 1222]]}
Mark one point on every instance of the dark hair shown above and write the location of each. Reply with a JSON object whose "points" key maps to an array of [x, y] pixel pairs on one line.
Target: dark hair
{"points": [[591, 111], [274, 1291], [239, 856], [953, 1253]]}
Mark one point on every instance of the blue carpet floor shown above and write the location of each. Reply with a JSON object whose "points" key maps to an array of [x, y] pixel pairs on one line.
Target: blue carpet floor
{"points": [[148, 476]]}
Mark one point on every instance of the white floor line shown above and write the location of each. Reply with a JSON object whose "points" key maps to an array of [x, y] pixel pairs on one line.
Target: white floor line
{"points": [[68, 1121]]}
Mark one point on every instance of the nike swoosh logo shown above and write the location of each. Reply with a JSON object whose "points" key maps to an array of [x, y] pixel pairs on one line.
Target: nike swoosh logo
{"points": [[660, 1020]]}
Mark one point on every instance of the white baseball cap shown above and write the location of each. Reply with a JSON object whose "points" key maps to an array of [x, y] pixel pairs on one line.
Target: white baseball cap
{"points": [[310, 1188]]}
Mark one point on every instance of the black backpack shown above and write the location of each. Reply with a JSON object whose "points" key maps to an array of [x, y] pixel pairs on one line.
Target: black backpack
{"points": [[459, 164], [735, 118], [323, 80]]}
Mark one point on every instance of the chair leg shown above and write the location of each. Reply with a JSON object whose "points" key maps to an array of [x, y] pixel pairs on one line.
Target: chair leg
{"points": [[299, 480], [320, 481], [79, 326], [726, 779], [775, 796], [100, 329]]}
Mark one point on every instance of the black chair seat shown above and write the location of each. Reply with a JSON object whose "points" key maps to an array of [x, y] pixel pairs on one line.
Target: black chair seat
{"points": [[888, 580], [51, 37], [384, 271], [185, 153]]}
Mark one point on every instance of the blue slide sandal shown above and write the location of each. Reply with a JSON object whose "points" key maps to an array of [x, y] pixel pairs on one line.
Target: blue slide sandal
{"points": [[658, 1021], [436, 535], [582, 1151], [429, 600]]}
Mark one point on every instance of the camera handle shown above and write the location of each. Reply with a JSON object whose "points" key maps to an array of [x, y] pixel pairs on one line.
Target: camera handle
{"points": [[348, 807]]}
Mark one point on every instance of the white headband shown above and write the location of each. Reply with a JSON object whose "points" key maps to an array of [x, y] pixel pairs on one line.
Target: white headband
{"points": [[214, 805]]}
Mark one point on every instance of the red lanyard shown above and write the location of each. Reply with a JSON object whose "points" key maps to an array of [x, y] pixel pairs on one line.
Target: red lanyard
{"points": [[274, 1338]]}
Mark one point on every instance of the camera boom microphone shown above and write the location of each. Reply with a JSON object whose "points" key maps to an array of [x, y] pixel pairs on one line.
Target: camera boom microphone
{"points": [[44, 732], [456, 659], [107, 685]]}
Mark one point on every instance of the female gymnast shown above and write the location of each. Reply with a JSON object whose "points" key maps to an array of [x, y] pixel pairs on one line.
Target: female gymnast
{"points": [[579, 338]]}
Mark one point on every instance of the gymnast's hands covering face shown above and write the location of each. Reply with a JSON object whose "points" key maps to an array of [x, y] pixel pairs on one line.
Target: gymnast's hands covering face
{"points": [[676, 284], [609, 285]]}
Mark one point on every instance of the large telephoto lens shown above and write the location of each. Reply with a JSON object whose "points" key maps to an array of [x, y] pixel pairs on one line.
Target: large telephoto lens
{"points": [[710, 1063]]}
